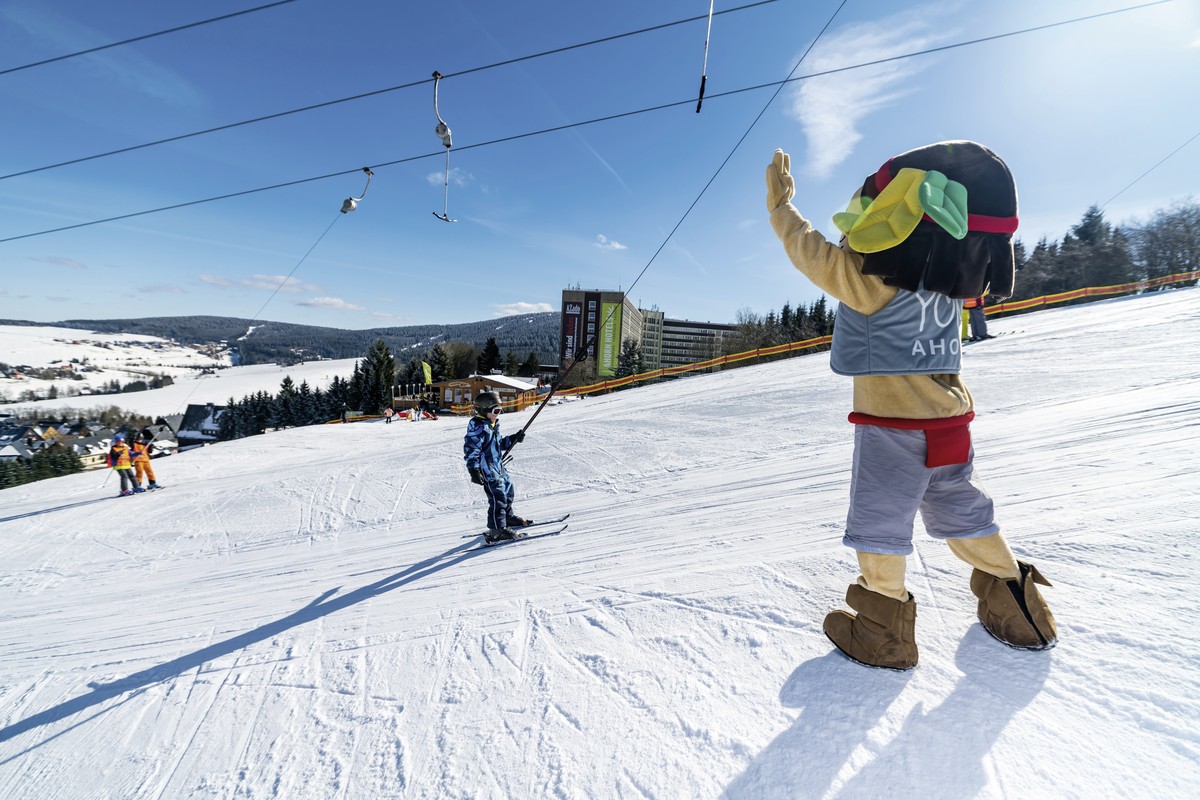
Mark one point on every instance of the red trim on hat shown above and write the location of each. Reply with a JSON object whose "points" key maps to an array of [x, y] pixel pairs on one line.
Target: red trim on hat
{"points": [[981, 223]]}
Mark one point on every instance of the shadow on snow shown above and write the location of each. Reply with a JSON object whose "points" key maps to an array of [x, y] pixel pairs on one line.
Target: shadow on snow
{"points": [[322, 606]]}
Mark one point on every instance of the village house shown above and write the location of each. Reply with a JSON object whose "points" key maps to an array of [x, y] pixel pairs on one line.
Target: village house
{"points": [[515, 393]]}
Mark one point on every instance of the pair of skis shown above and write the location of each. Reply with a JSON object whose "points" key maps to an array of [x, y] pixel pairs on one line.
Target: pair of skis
{"points": [[541, 528]]}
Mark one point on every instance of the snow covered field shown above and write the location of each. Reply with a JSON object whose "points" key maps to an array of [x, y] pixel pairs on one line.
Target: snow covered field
{"points": [[298, 615], [131, 357]]}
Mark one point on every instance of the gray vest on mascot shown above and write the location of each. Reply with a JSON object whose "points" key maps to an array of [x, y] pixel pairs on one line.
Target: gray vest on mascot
{"points": [[917, 333]]}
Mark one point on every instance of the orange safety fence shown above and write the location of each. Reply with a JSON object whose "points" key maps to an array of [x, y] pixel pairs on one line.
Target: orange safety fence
{"points": [[732, 358], [1093, 291]]}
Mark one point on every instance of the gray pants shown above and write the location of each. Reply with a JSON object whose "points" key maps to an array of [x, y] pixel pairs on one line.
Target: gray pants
{"points": [[128, 481], [889, 483], [978, 321]]}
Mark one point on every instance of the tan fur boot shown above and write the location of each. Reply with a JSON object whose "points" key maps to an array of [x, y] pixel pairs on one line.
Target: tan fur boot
{"points": [[883, 633], [1013, 610]]}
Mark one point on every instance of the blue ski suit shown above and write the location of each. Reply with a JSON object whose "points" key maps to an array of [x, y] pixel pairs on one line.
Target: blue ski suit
{"points": [[483, 449]]}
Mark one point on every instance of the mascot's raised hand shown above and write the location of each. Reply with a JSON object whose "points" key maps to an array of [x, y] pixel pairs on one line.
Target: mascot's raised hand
{"points": [[780, 186]]}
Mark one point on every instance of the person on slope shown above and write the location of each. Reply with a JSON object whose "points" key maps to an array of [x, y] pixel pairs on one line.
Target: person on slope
{"points": [[121, 460], [483, 450], [910, 254], [978, 318], [141, 462]]}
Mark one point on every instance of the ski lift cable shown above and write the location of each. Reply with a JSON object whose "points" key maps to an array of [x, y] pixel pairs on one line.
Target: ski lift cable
{"points": [[144, 37], [258, 314], [567, 126], [303, 258], [596, 335], [704, 67], [375, 92], [1164, 160]]}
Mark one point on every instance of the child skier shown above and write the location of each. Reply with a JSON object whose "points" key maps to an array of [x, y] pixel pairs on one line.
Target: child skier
{"points": [[911, 253], [121, 459], [141, 462], [483, 450]]}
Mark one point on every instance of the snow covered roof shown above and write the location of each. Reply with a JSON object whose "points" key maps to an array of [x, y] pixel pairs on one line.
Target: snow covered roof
{"points": [[512, 383]]}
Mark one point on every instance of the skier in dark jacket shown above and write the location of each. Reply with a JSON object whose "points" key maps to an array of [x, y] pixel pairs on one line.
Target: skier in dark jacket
{"points": [[483, 450]]}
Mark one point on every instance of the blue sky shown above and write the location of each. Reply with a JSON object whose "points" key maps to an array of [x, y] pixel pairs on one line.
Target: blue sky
{"points": [[1078, 111]]}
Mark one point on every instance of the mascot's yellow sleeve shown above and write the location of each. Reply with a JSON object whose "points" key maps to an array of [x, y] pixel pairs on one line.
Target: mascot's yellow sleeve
{"points": [[837, 272]]}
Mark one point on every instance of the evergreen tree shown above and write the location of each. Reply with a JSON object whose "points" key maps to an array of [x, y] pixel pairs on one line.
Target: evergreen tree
{"points": [[354, 393], [227, 428], [10, 474], [283, 409], [801, 325], [378, 379], [822, 317], [439, 365], [305, 405], [259, 416], [530, 368], [489, 359], [1094, 254], [511, 363], [630, 361]]}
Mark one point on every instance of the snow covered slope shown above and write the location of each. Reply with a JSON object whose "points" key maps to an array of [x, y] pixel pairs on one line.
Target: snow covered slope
{"points": [[299, 615], [94, 360], [131, 357]]}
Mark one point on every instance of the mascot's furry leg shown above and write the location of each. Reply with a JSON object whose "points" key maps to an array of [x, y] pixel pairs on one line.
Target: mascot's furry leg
{"points": [[1010, 606], [883, 633]]}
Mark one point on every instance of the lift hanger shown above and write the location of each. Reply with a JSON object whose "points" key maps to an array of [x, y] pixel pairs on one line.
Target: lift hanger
{"points": [[443, 132], [704, 68], [351, 203]]}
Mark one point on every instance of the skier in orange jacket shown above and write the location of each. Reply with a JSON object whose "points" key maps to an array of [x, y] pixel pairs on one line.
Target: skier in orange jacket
{"points": [[141, 463], [121, 459]]}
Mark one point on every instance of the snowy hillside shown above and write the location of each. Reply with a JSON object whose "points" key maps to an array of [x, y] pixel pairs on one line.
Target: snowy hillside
{"points": [[299, 616], [201, 374], [85, 361]]}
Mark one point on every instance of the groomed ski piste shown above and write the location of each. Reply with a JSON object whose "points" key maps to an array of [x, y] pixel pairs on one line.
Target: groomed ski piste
{"points": [[299, 616]]}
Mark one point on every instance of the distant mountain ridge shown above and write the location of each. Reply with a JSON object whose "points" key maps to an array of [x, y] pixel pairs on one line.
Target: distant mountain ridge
{"points": [[264, 342]]}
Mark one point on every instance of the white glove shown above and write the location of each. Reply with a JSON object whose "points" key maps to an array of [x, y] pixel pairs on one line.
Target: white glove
{"points": [[780, 186]]}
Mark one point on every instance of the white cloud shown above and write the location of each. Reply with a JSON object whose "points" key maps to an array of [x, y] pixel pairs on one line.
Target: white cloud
{"points": [[280, 283], [60, 261], [513, 309], [830, 108], [216, 280], [335, 303], [604, 243], [458, 177], [161, 288]]}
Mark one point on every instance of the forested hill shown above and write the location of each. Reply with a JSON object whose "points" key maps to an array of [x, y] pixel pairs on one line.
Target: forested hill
{"points": [[260, 342]]}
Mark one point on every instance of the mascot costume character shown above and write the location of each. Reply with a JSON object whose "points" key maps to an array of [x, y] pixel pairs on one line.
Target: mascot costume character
{"points": [[933, 226]]}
